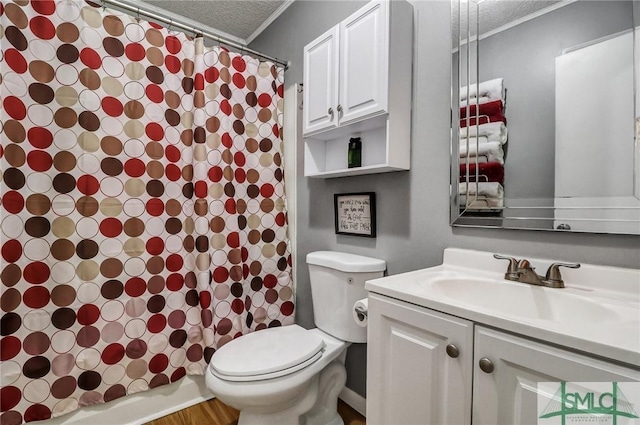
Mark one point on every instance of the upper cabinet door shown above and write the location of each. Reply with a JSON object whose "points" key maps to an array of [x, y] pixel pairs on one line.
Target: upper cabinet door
{"points": [[364, 49], [321, 82]]}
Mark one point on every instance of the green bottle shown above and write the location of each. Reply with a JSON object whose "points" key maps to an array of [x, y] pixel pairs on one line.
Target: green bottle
{"points": [[355, 152]]}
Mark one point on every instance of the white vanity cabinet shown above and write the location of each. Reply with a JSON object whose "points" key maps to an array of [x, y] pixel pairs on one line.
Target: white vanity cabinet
{"points": [[507, 394], [419, 365], [357, 83], [413, 380]]}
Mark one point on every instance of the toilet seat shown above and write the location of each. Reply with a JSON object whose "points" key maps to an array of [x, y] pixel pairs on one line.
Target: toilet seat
{"points": [[267, 354]]}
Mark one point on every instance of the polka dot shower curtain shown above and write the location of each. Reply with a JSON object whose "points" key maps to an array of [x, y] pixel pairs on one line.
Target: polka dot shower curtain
{"points": [[143, 214]]}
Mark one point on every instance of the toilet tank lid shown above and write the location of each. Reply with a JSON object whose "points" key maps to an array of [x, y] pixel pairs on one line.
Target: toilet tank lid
{"points": [[346, 262]]}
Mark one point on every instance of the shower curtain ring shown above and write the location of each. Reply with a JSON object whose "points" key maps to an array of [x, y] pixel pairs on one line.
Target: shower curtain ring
{"points": [[138, 16]]}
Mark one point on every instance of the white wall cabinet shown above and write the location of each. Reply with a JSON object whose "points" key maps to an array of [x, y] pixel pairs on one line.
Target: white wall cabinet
{"points": [[411, 380], [321, 59], [357, 83]]}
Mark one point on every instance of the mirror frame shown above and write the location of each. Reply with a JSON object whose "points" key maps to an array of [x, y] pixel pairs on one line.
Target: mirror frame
{"points": [[510, 216]]}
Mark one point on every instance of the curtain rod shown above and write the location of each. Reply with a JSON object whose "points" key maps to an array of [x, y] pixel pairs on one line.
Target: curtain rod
{"points": [[172, 23]]}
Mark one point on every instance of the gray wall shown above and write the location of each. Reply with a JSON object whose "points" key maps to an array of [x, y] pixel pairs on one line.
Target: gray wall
{"points": [[530, 83], [412, 206]]}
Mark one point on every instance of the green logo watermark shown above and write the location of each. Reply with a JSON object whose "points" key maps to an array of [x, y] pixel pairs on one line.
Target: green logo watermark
{"points": [[575, 403]]}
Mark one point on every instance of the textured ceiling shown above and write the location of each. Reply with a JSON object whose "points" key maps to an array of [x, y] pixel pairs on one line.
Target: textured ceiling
{"points": [[239, 18], [496, 13]]}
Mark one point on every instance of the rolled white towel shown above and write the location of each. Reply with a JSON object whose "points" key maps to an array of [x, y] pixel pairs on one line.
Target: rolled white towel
{"points": [[493, 131], [473, 140], [482, 204], [473, 159], [492, 150], [492, 89], [482, 190]]}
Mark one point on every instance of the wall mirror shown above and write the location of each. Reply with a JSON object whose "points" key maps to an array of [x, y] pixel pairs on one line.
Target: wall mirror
{"points": [[545, 128]]}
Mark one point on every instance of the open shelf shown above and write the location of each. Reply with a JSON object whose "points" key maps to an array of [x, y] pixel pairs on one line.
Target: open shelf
{"points": [[326, 153]]}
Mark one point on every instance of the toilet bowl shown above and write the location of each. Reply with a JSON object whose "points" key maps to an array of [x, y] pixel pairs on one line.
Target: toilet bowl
{"points": [[281, 396], [291, 375]]}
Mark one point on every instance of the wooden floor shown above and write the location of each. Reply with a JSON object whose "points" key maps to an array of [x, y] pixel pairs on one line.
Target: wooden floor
{"points": [[214, 412]]}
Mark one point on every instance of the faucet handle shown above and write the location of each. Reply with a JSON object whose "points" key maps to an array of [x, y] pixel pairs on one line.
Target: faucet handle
{"points": [[554, 278], [512, 270]]}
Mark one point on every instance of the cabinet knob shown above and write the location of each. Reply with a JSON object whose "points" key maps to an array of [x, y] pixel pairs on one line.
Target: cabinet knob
{"points": [[330, 111], [486, 365], [452, 351], [339, 108]]}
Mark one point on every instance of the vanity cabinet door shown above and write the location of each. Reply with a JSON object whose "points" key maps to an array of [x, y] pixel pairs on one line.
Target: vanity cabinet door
{"points": [[321, 65], [507, 395], [411, 380]]}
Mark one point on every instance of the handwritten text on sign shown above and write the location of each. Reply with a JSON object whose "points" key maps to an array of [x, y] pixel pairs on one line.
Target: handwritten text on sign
{"points": [[354, 214]]}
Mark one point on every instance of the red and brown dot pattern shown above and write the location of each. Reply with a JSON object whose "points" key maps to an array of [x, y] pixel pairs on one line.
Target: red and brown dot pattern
{"points": [[142, 205]]}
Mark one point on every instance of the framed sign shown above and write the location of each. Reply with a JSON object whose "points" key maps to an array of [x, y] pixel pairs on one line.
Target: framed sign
{"points": [[355, 214]]}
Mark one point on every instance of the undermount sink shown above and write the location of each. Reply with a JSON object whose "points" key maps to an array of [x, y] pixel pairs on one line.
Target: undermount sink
{"points": [[521, 300]]}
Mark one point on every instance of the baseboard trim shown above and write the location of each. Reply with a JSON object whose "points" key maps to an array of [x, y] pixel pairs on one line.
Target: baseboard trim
{"points": [[355, 400], [140, 408]]}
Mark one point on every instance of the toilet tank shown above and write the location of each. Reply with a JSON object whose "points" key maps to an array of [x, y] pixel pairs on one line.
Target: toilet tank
{"points": [[337, 282]]}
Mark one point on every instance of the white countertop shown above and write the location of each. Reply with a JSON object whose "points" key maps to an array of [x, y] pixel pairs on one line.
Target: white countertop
{"points": [[609, 294]]}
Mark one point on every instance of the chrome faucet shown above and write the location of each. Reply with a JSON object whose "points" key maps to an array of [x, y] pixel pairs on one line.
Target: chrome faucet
{"points": [[521, 271]]}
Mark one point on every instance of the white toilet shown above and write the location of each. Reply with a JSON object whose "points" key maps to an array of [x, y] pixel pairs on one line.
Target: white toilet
{"points": [[290, 375]]}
